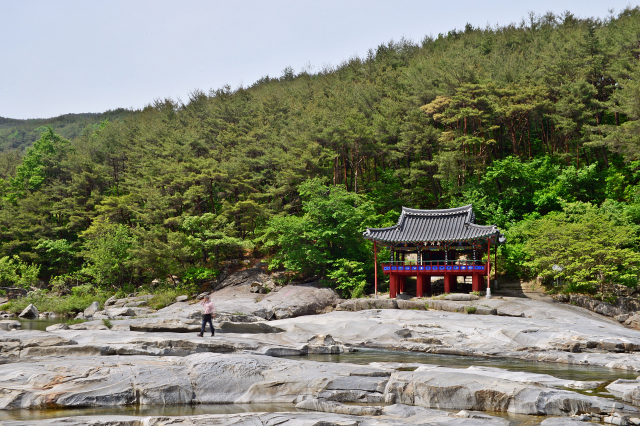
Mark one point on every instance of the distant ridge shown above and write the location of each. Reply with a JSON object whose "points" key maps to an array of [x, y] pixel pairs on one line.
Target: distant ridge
{"points": [[20, 134]]}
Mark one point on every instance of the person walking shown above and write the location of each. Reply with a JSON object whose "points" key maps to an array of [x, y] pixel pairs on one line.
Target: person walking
{"points": [[209, 312]]}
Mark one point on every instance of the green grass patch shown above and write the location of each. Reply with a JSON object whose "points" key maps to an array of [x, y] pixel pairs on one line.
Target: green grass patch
{"points": [[76, 321], [107, 323], [470, 309], [164, 297], [61, 305], [83, 296]]}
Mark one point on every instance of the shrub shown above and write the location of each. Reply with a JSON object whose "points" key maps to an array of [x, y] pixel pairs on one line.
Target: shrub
{"points": [[79, 300], [15, 272], [349, 276], [197, 275], [596, 250], [164, 297]]}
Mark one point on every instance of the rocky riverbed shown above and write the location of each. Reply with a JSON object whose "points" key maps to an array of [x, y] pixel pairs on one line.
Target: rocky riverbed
{"points": [[157, 359]]}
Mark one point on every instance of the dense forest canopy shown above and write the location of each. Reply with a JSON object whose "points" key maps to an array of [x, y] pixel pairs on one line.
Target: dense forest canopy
{"points": [[536, 124]]}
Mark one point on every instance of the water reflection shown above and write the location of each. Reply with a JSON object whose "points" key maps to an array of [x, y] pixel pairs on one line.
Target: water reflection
{"points": [[40, 324], [562, 371], [143, 411]]}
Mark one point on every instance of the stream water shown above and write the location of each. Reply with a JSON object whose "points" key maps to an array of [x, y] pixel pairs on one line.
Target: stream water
{"points": [[41, 324], [562, 371], [195, 410]]}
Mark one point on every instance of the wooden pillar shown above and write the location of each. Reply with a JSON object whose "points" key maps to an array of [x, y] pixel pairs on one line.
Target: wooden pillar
{"points": [[392, 285], [375, 265], [401, 281], [419, 285], [475, 282], [489, 268], [495, 267], [447, 283]]}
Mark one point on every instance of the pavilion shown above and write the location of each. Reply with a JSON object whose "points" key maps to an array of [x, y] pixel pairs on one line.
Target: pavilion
{"points": [[446, 243]]}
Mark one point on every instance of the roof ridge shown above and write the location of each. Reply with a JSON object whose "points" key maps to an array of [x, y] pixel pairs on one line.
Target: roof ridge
{"points": [[462, 209]]}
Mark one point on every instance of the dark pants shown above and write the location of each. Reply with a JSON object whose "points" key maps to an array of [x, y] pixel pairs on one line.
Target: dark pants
{"points": [[206, 318]]}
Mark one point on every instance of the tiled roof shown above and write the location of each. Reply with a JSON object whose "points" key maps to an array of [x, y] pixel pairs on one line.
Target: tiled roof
{"points": [[433, 225]]}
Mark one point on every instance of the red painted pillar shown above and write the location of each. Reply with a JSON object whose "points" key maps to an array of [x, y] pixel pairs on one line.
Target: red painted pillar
{"points": [[392, 285], [475, 282], [401, 281], [489, 268], [419, 284], [447, 283], [375, 264]]}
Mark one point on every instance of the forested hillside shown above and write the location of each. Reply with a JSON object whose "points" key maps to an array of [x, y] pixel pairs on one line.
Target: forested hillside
{"points": [[20, 134], [536, 124]]}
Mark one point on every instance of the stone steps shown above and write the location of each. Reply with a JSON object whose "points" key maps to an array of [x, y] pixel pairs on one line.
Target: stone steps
{"points": [[517, 288]]}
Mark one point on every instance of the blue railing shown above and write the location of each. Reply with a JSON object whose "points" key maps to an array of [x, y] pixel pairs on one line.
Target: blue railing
{"points": [[434, 266]]}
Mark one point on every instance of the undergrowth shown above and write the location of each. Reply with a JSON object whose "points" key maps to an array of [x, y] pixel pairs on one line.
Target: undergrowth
{"points": [[84, 295]]}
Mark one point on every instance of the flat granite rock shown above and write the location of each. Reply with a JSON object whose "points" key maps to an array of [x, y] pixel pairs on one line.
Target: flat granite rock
{"points": [[562, 421], [175, 325], [207, 378]]}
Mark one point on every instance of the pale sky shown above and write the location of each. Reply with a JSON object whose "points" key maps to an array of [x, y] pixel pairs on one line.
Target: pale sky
{"points": [[72, 56]]}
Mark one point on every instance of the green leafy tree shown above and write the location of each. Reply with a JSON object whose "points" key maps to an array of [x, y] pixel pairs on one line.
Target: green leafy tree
{"points": [[209, 235], [40, 163], [106, 250], [595, 251], [327, 238], [15, 272]]}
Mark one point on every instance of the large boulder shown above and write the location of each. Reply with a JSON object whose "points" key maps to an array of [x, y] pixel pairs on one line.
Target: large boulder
{"points": [[296, 300], [110, 301], [120, 312], [633, 321], [30, 312], [92, 309]]}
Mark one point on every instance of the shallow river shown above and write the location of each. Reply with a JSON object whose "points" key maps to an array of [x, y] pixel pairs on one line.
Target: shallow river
{"points": [[194, 410], [40, 324], [562, 371]]}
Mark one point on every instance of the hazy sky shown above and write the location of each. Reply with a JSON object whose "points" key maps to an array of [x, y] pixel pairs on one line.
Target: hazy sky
{"points": [[62, 56]]}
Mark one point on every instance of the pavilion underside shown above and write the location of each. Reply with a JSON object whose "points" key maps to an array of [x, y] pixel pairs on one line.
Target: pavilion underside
{"points": [[436, 243]]}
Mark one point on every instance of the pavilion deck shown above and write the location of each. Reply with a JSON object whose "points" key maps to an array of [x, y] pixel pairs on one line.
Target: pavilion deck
{"points": [[423, 271]]}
